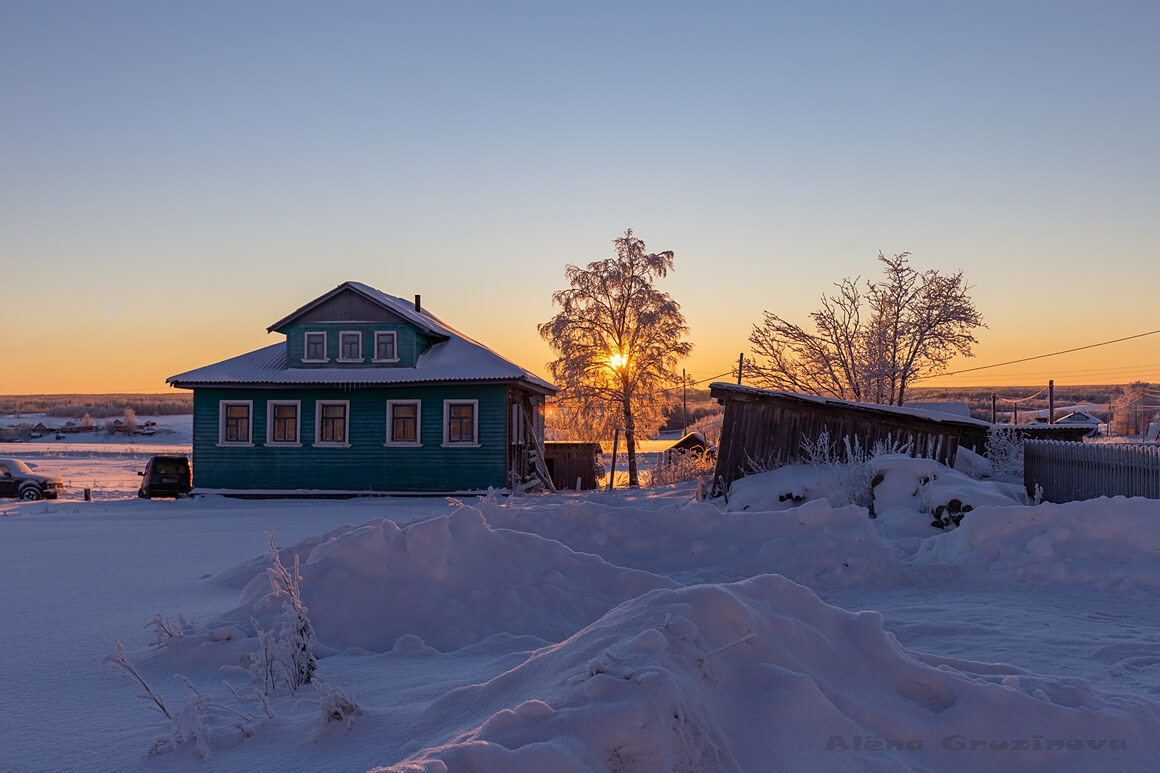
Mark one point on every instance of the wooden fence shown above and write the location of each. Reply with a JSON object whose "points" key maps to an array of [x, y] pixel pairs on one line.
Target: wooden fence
{"points": [[1074, 471]]}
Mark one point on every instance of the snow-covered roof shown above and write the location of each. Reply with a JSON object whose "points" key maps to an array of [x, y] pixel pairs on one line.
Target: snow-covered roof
{"points": [[1078, 417], [423, 320], [455, 357], [691, 439], [954, 407], [939, 416]]}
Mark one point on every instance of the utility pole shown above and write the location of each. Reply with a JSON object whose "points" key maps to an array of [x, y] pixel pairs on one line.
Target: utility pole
{"points": [[684, 403], [612, 470], [994, 398], [740, 367], [1051, 401]]}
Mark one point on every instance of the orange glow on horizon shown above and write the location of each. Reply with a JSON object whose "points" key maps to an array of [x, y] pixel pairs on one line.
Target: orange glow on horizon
{"points": [[140, 362]]}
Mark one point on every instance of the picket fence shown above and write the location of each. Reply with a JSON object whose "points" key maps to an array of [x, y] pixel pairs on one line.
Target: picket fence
{"points": [[1072, 471]]}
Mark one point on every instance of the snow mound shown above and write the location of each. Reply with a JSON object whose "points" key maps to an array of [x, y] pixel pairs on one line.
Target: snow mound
{"points": [[906, 493], [911, 492], [776, 490], [450, 580], [1108, 543], [759, 675], [814, 544]]}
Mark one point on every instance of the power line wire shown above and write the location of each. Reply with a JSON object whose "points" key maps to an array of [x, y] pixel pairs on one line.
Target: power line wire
{"points": [[1042, 356], [1022, 399]]}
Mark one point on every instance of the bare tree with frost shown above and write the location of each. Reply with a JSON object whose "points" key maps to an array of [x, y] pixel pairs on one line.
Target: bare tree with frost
{"points": [[869, 341], [617, 340]]}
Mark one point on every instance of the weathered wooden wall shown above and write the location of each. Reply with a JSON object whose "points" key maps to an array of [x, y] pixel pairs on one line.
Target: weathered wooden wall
{"points": [[368, 464], [762, 429], [568, 462]]}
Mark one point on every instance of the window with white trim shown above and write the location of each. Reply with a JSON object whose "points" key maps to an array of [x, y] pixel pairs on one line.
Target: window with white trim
{"points": [[386, 346], [403, 422], [332, 423], [283, 422], [350, 346], [315, 347], [461, 422], [235, 422]]}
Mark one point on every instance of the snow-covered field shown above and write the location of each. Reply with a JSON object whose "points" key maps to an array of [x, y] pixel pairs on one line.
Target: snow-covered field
{"points": [[627, 631]]}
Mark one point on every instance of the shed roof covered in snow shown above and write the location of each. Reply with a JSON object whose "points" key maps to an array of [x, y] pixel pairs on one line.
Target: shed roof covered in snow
{"points": [[953, 407]]}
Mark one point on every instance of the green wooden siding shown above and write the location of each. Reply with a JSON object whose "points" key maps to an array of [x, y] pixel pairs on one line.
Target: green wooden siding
{"points": [[367, 464], [409, 343]]}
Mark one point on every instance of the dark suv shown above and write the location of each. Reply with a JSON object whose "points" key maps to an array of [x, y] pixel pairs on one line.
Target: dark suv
{"points": [[166, 476], [18, 480]]}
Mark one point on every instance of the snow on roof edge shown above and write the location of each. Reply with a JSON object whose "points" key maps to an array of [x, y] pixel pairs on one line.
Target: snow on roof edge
{"points": [[454, 360], [936, 416]]}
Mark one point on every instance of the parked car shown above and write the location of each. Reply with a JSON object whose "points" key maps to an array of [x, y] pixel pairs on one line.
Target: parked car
{"points": [[166, 476], [18, 480]]}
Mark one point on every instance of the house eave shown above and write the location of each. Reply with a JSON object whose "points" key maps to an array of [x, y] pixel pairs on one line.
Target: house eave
{"points": [[531, 386]]}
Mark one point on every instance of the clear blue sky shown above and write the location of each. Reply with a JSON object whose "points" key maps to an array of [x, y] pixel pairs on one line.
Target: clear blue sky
{"points": [[175, 177]]}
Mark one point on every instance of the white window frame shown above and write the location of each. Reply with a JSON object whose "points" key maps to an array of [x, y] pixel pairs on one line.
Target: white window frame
{"points": [[418, 441], [318, 441], [270, 441], [342, 334], [306, 345], [395, 337], [223, 405], [447, 442]]}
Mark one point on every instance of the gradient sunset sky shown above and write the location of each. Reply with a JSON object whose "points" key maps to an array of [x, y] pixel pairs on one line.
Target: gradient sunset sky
{"points": [[177, 176]]}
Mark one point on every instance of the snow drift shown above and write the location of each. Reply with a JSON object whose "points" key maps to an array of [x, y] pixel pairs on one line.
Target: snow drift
{"points": [[762, 675], [814, 544], [1109, 543], [451, 581]]}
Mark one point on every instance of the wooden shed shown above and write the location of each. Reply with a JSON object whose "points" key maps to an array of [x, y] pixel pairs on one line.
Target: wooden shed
{"points": [[692, 443], [570, 463], [766, 427]]}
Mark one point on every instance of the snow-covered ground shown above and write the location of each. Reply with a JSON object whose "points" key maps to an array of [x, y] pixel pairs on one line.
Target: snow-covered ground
{"points": [[627, 631]]}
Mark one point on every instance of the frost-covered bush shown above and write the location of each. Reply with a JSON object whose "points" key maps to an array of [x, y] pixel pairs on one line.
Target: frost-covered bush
{"points": [[192, 723], [119, 663], [334, 704], [195, 720], [288, 655], [849, 465], [165, 630], [1005, 452], [684, 467], [709, 427]]}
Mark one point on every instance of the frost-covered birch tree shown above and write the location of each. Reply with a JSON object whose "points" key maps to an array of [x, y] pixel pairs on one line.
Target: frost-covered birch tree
{"points": [[869, 342], [617, 340]]}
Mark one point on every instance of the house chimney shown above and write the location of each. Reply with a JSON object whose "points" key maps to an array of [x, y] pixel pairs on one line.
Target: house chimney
{"points": [[418, 304]]}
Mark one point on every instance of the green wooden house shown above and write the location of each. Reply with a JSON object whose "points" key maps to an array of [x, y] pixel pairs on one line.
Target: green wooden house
{"points": [[367, 394]]}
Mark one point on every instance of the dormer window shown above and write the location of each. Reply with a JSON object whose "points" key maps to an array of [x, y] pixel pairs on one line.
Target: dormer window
{"points": [[386, 346], [350, 346], [315, 350]]}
